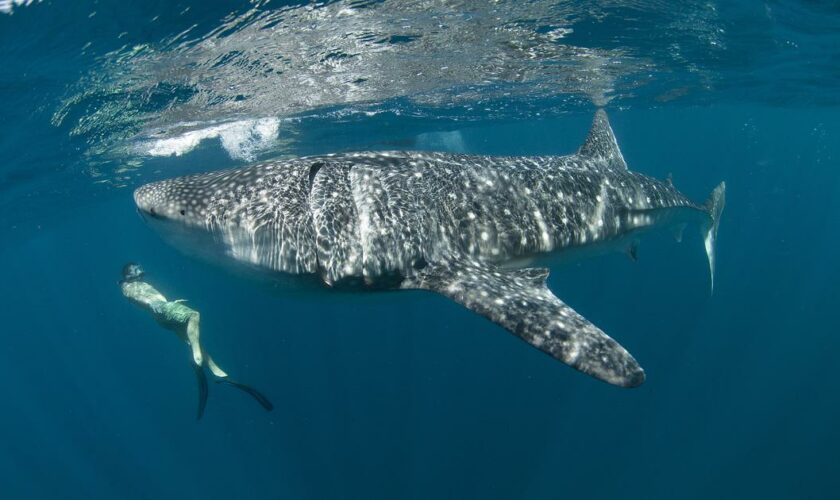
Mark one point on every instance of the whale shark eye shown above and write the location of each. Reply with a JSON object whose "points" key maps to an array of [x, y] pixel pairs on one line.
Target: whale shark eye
{"points": [[183, 212], [152, 211]]}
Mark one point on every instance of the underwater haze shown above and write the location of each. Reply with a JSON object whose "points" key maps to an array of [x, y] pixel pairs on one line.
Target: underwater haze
{"points": [[411, 395]]}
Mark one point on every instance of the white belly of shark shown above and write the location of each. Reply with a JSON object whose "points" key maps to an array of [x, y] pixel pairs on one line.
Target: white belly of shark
{"points": [[457, 225]]}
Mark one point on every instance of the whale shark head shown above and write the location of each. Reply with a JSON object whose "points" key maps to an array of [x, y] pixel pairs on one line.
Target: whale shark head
{"points": [[212, 216], [177, 209], [180, 201]]}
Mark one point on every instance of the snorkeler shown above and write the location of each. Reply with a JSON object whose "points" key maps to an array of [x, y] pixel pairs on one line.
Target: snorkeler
{"points": [[175, 316]]}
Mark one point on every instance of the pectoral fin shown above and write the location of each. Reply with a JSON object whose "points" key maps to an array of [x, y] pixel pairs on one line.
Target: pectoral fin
{"points": [[520, 302]]}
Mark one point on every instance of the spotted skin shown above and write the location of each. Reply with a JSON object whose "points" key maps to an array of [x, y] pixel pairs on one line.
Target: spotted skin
{"points": [[520, 302], [452, 224]]}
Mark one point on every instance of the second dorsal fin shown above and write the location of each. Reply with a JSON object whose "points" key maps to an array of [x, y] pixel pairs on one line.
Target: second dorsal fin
{"points": [[601, 145]]}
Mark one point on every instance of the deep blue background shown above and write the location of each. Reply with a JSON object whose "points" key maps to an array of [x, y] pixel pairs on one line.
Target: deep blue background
{"points": [[408, 395]]}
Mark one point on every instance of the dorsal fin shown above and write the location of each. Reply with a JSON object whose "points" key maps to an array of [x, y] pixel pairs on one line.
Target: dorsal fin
{"points": [[601, 145]]}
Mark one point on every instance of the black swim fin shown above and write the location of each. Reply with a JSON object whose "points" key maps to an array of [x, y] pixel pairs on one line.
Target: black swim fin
{"points": [[262, 400], [201, 377]]}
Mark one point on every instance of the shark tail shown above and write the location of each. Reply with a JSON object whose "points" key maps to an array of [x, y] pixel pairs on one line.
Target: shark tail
{"points": [[714, 207]]}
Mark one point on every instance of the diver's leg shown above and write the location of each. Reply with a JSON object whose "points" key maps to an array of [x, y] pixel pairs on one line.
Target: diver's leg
{"points": [[214, 368], [192, 338], [224, 379]]}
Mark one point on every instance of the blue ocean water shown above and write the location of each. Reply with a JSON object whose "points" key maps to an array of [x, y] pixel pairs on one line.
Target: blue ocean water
{"points": [[412, 396]]}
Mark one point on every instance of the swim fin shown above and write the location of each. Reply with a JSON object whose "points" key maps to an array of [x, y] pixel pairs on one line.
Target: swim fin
{"points": [[262, 400], [201, 377]]}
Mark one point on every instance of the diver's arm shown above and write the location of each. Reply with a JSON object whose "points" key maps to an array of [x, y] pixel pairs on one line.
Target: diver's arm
{"points": [[192, 338]]}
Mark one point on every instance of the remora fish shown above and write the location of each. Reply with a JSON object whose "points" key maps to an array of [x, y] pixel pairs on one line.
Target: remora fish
{"points": [[457, 225]]}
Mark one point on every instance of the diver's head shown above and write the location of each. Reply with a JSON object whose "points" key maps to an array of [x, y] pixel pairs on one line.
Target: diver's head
{"points": [[132, 272]]}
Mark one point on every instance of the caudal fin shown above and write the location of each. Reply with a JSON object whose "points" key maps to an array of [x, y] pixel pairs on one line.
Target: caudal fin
{"points": [[714, 207]]}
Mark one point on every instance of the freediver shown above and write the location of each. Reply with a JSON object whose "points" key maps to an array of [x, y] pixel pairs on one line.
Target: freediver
{"points": [[177, 317]]}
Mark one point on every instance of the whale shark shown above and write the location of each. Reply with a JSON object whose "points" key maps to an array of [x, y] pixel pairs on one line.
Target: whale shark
{"points": [[482, 231]]}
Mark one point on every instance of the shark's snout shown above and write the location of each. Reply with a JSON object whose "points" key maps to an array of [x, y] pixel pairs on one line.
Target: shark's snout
{"points": [[169, 200], [152, 200], [143, 200]]}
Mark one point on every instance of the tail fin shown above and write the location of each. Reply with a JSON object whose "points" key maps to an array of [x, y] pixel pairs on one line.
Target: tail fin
{"points": [[714, 207]]}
